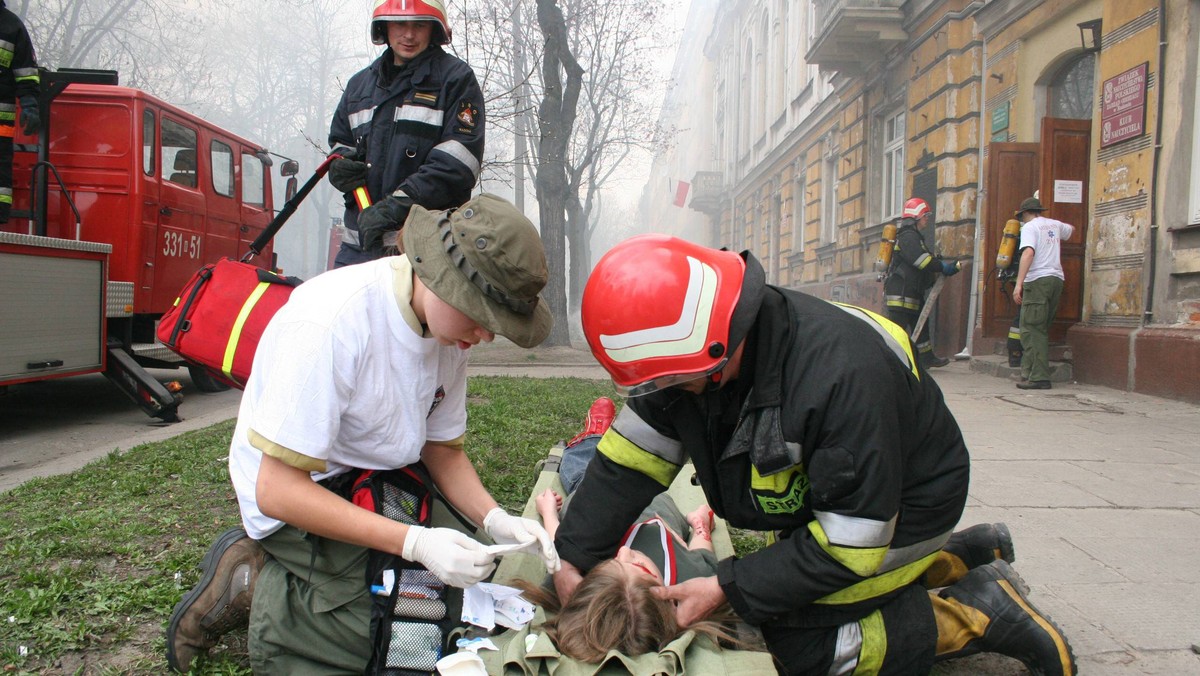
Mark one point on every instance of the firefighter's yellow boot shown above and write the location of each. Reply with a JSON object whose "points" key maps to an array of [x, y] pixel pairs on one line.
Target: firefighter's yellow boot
{"points": [[218, 603], [968, 549], [987, 611]]}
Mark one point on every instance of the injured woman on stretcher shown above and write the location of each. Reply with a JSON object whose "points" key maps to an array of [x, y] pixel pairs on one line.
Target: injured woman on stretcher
{"points": [[616, 621]]}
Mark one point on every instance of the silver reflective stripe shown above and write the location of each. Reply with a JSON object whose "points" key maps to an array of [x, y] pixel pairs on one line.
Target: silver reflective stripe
{"points": [[361, 117], [25, 72], [922, 261], [888, 338], [629, 425], [459, 152], [349, 236], [7, 46], [902, 556], [8, 107], [5, 192], [845, 653], [854, 531], [420, 114]]}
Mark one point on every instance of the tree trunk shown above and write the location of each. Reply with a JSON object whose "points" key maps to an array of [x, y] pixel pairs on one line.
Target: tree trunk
{"points": [[557, 112]]}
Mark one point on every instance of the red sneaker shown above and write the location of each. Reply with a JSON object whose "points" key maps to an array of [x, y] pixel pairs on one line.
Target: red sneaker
{"points": [[599, 417]]}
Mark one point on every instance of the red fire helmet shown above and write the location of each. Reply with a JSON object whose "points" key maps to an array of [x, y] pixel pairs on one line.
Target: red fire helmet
{"points": [[657, 311], [915, 207], [409, 10]]}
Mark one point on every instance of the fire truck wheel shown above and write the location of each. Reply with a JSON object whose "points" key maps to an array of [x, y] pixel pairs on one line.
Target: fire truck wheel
{"points": [[205, 382]]}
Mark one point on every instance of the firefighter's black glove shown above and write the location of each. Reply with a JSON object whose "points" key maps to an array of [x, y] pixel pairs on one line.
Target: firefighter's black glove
{"points": [[386, 215], [31, 117], [347, 175]]}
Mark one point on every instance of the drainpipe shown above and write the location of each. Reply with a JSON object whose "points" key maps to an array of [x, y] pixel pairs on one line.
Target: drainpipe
{"points": [[977, 266], [1148, 310]]}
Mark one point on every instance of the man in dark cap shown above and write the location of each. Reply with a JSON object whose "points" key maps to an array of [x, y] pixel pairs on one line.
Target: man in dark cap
{"points": [[1039, 287]]}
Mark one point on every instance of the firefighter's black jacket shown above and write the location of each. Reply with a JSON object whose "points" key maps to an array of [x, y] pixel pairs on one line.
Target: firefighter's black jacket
{"points": [[422, 127], [913, 270], [830, 434], [18, 62]]}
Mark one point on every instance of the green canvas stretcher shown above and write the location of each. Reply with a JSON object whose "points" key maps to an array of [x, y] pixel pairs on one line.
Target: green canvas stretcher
{"points": [[688, 654]]}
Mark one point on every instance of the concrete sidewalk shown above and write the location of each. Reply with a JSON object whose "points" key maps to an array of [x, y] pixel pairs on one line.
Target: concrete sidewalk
{"points": [[1101, 489]]}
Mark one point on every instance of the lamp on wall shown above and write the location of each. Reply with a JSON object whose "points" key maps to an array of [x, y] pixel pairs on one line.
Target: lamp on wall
{"points": [[1089, 32]]}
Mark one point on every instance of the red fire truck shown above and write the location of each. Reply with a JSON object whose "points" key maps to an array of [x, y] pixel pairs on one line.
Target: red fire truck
{"points": [[116, 203]]}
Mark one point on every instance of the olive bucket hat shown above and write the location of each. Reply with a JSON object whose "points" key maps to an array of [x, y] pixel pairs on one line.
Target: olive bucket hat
{"points": [[1030, 204], [485, 259]]}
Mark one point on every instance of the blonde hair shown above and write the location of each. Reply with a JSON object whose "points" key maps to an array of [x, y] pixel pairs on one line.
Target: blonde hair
{"points": [[614, 610]]}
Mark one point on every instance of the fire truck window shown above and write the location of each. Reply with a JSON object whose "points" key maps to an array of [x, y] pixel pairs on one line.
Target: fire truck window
{"points": [[252, 180], [148, 142], [178, 153], [222, 168]]}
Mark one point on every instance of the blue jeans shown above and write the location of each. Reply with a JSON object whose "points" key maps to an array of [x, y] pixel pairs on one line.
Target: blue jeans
{"points": [[575, 460]]}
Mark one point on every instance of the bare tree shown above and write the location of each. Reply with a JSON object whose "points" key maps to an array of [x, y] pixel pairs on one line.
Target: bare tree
{"points": [[556, 113]]}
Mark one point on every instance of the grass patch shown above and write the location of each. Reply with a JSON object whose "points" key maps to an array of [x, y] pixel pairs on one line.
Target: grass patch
{"points": [[91, 563]]}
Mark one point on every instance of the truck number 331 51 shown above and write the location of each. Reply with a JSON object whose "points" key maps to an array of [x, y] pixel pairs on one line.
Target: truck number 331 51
{"points": [[181, 245]]}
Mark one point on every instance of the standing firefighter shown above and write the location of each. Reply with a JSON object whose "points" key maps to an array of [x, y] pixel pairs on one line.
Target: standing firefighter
{"points": [[811, 419], [18, 82], [409, 127], [913, 271]]}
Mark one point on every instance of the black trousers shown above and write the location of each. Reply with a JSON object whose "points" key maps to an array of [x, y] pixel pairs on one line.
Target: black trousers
{"points": [[899, 638]]}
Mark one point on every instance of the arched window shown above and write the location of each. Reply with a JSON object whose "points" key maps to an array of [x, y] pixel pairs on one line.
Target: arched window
{"points": [[745, 123], [760, 76], [1072, 91]]}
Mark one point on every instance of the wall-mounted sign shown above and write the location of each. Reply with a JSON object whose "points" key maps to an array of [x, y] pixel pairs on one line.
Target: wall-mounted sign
{"points": [[1000, 117], [1068, 192], [1000, 136], [1123, 106]]}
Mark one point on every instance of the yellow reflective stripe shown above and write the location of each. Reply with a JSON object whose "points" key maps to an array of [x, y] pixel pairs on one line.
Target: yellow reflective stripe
{"points": [[863, 561], [781, 493], [236, 333], [6, 199], [874, 645], [629, 455], [897, 332], [776, 483], [880, 584]]}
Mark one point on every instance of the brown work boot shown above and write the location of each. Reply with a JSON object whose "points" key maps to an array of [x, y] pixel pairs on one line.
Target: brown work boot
{"points": [[967, 550], [219, 602], [988, 611]]}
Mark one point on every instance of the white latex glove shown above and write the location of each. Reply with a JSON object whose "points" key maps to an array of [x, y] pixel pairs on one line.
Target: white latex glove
{"points": [[453, 557], [507, 529]]}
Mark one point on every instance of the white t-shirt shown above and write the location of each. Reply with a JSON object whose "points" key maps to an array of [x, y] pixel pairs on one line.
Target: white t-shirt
{"points": [[343, 377], [1045, 236]]}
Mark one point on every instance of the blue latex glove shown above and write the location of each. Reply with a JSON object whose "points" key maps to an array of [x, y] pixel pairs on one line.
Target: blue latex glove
{"points": [[949, 268]]}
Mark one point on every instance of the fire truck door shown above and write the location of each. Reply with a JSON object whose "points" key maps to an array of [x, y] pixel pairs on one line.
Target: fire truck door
{"points": [[179, 242]]}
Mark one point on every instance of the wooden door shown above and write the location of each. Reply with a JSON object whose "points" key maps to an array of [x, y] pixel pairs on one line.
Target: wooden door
{"points": [[1066, 158], [1012, 176]]}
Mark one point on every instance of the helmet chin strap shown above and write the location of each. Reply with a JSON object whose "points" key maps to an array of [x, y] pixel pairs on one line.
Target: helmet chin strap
{"points": [[714, 381]]}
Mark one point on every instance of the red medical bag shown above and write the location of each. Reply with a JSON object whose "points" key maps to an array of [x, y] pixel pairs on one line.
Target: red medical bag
{"points": [[220, 315]]}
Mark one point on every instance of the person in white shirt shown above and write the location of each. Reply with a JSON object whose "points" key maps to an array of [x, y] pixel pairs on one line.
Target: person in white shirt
{"points": [[364, 368], [1038, 290]]}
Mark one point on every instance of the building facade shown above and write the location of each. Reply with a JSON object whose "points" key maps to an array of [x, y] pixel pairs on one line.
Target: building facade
{"points": [[827, 114]]}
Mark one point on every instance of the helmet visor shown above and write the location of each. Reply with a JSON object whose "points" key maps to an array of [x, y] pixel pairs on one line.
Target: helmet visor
{"points": [[663, 382]]}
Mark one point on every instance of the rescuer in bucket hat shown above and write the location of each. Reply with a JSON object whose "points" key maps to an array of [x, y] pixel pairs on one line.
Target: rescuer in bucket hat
{"points": [[365, 370], [485, 259]]}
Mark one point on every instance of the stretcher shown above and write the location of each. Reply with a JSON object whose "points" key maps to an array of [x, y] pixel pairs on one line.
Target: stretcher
{"points": [[688, 654]]}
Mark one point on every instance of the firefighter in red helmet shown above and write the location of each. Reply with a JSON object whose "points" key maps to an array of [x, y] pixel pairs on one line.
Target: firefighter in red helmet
{"points": [[912, 271], [409, 128], [810, 419]]}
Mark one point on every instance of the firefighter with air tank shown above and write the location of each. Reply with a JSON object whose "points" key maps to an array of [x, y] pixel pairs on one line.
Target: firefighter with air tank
{"points": [[911, 271]]}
